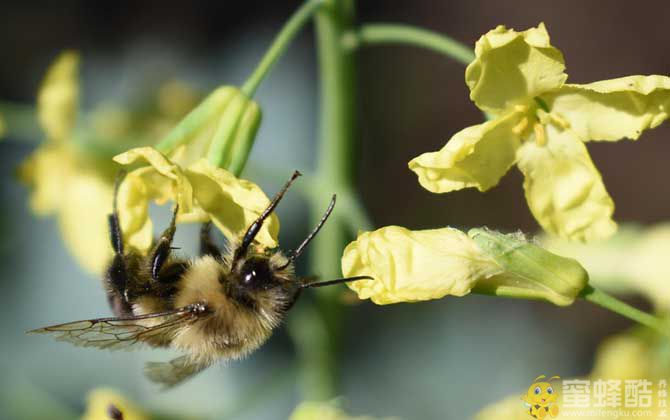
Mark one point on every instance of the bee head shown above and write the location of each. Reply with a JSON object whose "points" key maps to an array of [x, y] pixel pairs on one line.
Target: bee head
{"points": [[255, 273]]}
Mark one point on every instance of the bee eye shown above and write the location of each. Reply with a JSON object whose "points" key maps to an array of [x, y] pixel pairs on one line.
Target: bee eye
{"points": [[550, 390], [538, 391], [256, 274]]}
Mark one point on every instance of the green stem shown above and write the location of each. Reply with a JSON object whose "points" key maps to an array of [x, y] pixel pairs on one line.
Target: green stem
{"points": [[317, 332], [388, 33], [613, 304], [280, 44]]}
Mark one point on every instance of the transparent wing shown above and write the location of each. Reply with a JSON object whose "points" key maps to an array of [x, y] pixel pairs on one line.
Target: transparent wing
{"points": [[169, 374], [125, 333]]}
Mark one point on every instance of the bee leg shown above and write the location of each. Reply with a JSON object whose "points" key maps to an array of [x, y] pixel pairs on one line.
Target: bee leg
{"points": [[207, 245], [163, 247], [116, 278]]}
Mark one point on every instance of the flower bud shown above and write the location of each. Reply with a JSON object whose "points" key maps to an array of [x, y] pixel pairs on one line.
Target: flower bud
{"points": [[222, 128], [530, 272]]}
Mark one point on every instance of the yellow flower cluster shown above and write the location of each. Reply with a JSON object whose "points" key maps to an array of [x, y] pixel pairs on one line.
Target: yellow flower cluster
{"points": [[72, 180], [540, 123]]}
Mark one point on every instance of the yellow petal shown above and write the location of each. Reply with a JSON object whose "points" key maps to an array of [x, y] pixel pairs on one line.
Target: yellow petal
{"points": [[58, 98], [563, 188], [46, 172], [613, 109], [87, 201], [232, 203], [202, 191], [79, 195], [513, 67], [102, 400], [409, 266], [477, 156]]}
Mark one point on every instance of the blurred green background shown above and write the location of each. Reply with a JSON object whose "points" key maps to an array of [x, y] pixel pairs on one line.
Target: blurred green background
{"points": [[434, 360]]}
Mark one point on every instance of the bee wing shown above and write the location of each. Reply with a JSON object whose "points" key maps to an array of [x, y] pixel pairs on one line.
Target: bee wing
{"points": [[169, 374], [124, 333]]}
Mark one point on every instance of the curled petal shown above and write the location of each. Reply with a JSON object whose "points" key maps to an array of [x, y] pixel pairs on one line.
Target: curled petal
{"points": [[613, 109], [409, 266], [477, 156], [231, 203], [511, 67], [58, 98], [203, 192], [564, 189]]}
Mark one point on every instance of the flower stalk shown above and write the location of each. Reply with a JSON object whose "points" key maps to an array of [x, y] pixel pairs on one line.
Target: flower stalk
{"points": [[389, 33], [613, 304], [335, 172], [301, 17]]}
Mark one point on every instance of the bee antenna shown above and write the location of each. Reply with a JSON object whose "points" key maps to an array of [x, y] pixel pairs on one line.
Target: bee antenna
{"points": [[336, 281], [255, 227], [295, 254]]}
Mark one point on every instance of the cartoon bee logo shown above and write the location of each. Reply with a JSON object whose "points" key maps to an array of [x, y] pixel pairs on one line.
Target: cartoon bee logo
{"points": [[541, 398]]}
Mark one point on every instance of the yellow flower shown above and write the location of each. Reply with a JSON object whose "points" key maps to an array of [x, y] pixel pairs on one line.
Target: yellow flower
{"points": [[78, 190], [104, 403], [204, 192], [540, 123], [409, 266], [65, 182], [58, 98], [635, 260], [71, 175]]}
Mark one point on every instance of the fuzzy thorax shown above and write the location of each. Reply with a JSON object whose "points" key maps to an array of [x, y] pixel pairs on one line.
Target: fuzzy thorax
{"points": [[232, 329]]}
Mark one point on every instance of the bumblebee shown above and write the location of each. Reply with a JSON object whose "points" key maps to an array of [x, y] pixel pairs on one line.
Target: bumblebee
{"points": [[222, 305]]}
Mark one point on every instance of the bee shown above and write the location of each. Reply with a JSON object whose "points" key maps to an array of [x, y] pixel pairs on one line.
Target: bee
{"points": [[220, 306]]}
